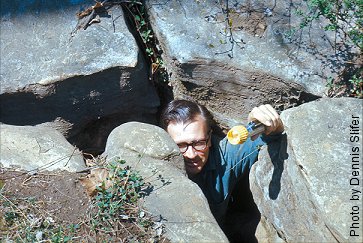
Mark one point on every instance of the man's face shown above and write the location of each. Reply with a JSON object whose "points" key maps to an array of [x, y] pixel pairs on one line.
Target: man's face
{"points": [[190, 133]]}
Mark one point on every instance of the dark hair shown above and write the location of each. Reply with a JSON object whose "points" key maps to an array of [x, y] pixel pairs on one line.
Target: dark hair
{"points": [[184, 111]]}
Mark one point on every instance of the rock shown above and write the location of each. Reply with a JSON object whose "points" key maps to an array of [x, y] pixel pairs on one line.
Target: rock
{"points": [[151, 151], [71, 80], [266, 233], [302, 183], [267, 69], [37, 148]]}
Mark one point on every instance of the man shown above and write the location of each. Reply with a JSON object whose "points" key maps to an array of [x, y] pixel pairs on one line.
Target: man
{"points": [[213, 163]]}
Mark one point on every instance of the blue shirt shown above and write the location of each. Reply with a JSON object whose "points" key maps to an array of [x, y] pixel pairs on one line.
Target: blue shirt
{"points": [[226, 164]]}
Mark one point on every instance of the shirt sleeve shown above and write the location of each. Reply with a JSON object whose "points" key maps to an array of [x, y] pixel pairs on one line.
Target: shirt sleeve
{"points": [[270, 138], [239, 158]]}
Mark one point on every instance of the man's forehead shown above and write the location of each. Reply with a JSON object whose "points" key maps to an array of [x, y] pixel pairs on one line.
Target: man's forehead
{"points": [[197, 121], [182, 132]]}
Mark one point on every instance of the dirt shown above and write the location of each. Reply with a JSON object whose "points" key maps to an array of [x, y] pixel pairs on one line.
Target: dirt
{"points": [[253, 23], [245, 19], [55, 200]]}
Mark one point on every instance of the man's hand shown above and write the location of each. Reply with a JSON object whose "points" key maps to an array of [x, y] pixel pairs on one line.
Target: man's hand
{"points": [[268, 116]]}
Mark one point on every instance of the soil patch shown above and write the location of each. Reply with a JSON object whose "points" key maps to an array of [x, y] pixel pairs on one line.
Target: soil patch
{"points": [[55, 207]]}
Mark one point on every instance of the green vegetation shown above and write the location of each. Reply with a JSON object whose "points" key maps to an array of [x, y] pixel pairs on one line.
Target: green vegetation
{"points": [[120, 202], [23, 220], [356, 83], [139, 20], [342, 16], [114, 213], [345, 19]]}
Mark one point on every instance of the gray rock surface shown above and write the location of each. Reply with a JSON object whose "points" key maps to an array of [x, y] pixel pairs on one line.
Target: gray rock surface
{"points": [[71, 81], [38, 47], [151, 151], [37, 148], [266, 233], [302, 183], [268, 69]]}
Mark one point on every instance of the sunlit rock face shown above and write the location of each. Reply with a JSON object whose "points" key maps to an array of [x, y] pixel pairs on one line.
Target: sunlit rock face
{"points": [[36, 149], [179, 202], [308, 185], [256, 62], [83, 82]]}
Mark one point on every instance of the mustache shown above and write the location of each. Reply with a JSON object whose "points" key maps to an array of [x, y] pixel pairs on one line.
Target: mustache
{"points": [[196, 159]]}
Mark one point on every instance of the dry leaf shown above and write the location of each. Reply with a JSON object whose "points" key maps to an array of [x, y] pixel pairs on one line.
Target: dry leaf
{"points": [[84, 13], [2, 183], [94, 179], [154, 67], [97, 5]]}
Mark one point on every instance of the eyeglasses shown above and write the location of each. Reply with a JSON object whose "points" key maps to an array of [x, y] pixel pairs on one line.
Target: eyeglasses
{"points": [[199, 145]]}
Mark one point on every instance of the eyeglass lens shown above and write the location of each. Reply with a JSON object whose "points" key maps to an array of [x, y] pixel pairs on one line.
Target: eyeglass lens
{"points": [[199, 146]]}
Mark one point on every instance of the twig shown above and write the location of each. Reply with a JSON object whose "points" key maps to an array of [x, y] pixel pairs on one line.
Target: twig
{"points": [[123, 226], [127, 178], [139, 227], [27, 179], [74, 150], [230, 36], [15, 207]]}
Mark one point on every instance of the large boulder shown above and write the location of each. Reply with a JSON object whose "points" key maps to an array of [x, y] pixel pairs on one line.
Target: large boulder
{"points": [[151, 151], [55, 71], [37, 148], [309, 184], [266, 233], [269, 68]]}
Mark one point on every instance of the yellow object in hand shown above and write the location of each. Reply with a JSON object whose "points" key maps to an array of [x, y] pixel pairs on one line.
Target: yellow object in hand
{"points": [[237, 135]]}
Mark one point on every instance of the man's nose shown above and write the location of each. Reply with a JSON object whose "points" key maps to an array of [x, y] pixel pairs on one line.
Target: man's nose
{"points": [[190, 153]]}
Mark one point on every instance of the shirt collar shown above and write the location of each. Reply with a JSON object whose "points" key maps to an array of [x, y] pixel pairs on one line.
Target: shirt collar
{"points": [[213, 153]]}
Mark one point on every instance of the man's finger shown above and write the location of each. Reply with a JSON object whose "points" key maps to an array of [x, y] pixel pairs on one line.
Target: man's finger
{"points": [[270, 114], [259, 114]]}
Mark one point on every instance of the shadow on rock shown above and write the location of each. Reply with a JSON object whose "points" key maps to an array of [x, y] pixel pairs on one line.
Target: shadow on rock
{"points": [[278, 154]]}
